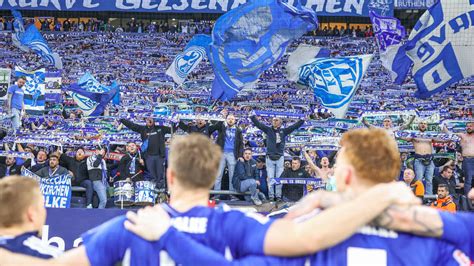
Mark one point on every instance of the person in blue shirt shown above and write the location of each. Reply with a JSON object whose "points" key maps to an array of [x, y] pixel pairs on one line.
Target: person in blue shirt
{"points": [[15, 105], [21, 225], [361, 151], [193, 165]]}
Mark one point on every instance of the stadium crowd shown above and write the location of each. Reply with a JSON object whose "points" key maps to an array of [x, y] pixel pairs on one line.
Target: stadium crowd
{"points": [[129, 141]]}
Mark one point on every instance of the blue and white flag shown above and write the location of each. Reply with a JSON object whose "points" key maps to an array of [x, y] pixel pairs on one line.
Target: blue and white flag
{"points": [[301, 56], [441, 46], [335, 80], [19, 28], [34, 89], [390, 33], [189, 59], [31, 39], [91, 96], [250, 39], [388, 30], [53, 82]]}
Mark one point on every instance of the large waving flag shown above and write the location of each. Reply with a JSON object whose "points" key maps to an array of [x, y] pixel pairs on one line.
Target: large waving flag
{"points": [[335, 80], [301, 56], [189, 59], [91, 96], [250, 39], [19, 28], [31, 39], [441, 46], [390, 33], [34, 89]]}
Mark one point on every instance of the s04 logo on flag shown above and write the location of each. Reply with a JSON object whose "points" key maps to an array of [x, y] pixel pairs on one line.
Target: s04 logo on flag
{"points": [[188, 60]]}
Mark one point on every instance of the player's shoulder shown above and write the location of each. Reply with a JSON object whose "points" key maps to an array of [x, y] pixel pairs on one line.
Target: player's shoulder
{"points": [[224, 211], [29, 244]]}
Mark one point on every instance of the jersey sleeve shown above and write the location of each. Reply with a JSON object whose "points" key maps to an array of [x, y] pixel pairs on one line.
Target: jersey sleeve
{"points": [[186, 251], [457, 230], [246, 232], [106, 244]]}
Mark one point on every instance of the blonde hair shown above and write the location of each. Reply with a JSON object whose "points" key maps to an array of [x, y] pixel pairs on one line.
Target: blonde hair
{"points": [[195, 160], [373, 153], [16, 196]]}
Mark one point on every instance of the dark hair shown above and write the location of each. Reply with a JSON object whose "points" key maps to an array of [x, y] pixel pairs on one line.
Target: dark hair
{"points": [[247, 149], [446, 167], [445, 186], [53, 155], [296, 158], [22, 77]]}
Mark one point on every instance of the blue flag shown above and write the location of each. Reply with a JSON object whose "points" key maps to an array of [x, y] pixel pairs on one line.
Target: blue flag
{"points": [[390, 33], [189, 59], [19, 28], [34, 89], [91, 96], [387, 30], [31, 39], [250, 39], [335, 80], [441, 46]]}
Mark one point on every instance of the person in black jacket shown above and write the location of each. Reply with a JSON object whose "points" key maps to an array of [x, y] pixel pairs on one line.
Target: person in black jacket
{"points": [[131, 166], [41, 161], [153, 137], [97, 171], [10, 167], [231, 140], [294, 193], [446, 177], [246, 177], [78, 167], [275, 143], [200, 126]]}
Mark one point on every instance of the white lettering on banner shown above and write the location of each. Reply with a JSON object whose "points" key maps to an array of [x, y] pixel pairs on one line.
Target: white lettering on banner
{"points": [[438, 74], [54, 202], [89, 4], [193, 225], [196, 4], [358, 6], [31, 3], [148, 5], [164, 6], [237, 3], [333, 6], [56, 240], [70, 3], [318, 3], [55, 3], [183, 6], [222, 3], [131, 4], [53, 240]]}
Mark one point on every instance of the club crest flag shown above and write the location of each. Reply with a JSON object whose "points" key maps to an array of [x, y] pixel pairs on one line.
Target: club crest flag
{"points": [[441, 46], [335, 80], [302, 55], [189, 59], [34, 89]]}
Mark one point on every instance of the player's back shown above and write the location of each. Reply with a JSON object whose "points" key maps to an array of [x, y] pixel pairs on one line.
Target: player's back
{"points": [[231, 233], [29, 244], [378, 246]]}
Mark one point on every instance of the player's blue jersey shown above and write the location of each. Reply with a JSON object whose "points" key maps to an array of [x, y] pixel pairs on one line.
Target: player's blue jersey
{"points": [[229, 232], [29, 244], [458, 229], [372, 246]]}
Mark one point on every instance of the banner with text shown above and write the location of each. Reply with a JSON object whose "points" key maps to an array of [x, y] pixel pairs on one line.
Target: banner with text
{"points": [[5, 74], [322, 7]]}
